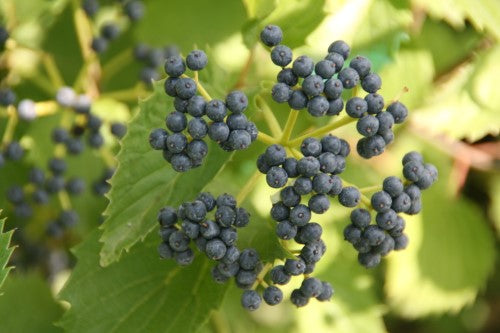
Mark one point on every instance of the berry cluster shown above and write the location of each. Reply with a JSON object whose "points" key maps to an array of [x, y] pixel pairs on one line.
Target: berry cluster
{"points": [[12, 151], [152, 58], [373, 241], [231, 132], [321, 92], [133, 10]]}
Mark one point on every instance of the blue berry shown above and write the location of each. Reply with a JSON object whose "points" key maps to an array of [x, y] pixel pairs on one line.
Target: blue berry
{"points": [[413, 156], [337, 59], [367, 125], [191, 229], [236, 101], [279, 211], [207, 199], [174, 66], [303, 185], [7, 97], [326, 293], [176, 142], [75, 186], [381, 201], [275, 155], [313, 85], [401, 203], [99, 44], [196, 60], [169, 86], [250, 300], [110, 31], [325, 69], [184, 258], [362, 65], [333, 88], [289, 197], [239, 139], [336, 186], [217, 276], [232, 255], [360, 217], [319, 203], [197, 127], [371, 83], [225, 216], [374, 235], [276, 177], [340, 47], [298, 299], [196, 106], [134, 10], [216, 110], [181, 162], [226, 199], [158, 139], [375, 103], [398, 111], [298, 100], [215, 249], [185, 88], [318, 106], [349, 77], [228, 236], [311, 147], [249, 259], [387, 219], [165, 251], [178, 241], [272, 295], [385, 121], [286, 230], [271, 35], [279, 275], [300, 215], [393, 186], [308, 233], [287, 76], [356, 107], [218, 132], [308, 166], [303, 66], [176, 121], [311, 287], [385, 247], [369, 259], [118, 130], [400, 242], [349, 197], [295, 266], [352, 233], [197, 150], [335, 106], [14, 151], [281, 92], [209, 229], [290, 166], [281, 55], [413, 170]]}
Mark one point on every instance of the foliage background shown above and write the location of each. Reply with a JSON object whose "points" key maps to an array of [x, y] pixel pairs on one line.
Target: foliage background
{"points": [[445, 52]]}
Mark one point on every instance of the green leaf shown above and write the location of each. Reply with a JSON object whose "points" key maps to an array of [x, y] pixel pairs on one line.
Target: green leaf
{"points": [[483, 14], [140, 293], [297, 19], [28, 306], [460, 107], [450, 255], [412, 69], [258, 9], [5, 251], [144, 182]]}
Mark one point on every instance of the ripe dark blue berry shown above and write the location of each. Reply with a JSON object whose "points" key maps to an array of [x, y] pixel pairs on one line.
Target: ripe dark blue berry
{"points": [[303, 66], [281, 55], [349, 77], [340, 47], [271, 35], [196, 60]]}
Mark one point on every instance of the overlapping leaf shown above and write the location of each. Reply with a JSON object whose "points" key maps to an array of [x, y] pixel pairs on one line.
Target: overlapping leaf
{"points": [[5, 251]]}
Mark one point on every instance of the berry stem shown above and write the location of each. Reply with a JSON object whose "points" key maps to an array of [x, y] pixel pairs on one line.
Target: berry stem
{"points": [[43, 83], [269, 117], [52, 70], [265, 138], [323, 130], [369, 189], [249, 186], [290, 124], [46, 108], [11, 125], [126, 95], [113, 66], [203, 92], [83, 30], [262, 274], [64, 200], [244, 72]]}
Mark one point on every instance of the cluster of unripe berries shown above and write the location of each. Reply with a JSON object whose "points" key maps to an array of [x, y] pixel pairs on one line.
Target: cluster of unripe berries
{"points": [[373, 241], [185, 151], [133, 10]]}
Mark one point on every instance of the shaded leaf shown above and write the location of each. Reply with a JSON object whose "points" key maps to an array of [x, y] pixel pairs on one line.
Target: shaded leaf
{"points": [[140, 293], [28, 306]]}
